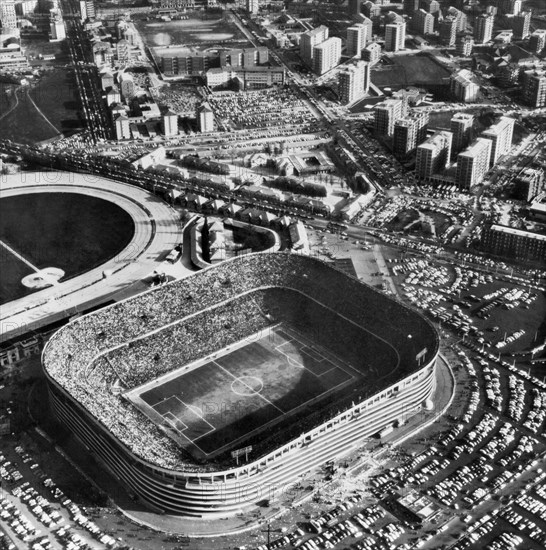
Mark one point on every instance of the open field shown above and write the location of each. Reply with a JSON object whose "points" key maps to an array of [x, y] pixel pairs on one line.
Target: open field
{"points": [[409, 70], [72, 232], [221, 401], [13, 270], [42, 111]]}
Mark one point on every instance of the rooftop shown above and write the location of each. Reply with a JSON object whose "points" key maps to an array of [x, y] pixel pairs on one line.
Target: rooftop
{"points": [[518, 232]]}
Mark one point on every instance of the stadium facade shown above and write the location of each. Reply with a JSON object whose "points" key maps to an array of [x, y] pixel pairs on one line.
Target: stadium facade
{"points": [[86, 384]]}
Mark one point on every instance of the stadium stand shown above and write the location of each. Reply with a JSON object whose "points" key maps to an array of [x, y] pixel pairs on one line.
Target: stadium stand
{"points": [[95, 359]]}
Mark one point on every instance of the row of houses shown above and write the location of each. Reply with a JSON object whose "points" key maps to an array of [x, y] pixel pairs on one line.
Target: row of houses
{"points": [[253, 215]]}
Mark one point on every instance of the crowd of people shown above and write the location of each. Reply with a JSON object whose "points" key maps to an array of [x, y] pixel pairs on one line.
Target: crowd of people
{"points": [[226, 303], [192, 338], [262, 108]]}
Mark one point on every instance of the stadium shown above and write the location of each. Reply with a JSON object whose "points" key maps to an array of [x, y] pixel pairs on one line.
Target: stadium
{"points": [[217, 391]]}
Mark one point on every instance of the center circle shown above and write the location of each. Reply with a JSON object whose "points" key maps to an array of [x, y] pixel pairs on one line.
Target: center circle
{"points": [[247, 385]]}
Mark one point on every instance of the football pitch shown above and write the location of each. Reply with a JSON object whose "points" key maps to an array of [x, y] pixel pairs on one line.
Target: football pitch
{"points": [[221, 400]]}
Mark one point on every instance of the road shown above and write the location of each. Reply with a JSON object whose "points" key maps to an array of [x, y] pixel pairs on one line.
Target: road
{"points": [[87, 76]]}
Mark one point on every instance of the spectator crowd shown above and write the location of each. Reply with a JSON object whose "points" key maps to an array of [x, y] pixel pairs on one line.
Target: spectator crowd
{"points": [[99, 356]]}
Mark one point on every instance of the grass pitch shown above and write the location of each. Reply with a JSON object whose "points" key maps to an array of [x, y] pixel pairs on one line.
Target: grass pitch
{"points": [[410, 70], [70, 231], [225, 398]]}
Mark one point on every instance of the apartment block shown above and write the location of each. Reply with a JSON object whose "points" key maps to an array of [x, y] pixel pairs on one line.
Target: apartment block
{"points": [[433, 155], [473, 163], [501, 135]]}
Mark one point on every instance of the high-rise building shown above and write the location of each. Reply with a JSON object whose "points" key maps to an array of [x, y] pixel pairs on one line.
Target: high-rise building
{"points": [[205, 118], [430, 6], [462, 127], [309, 40], [169, 124], [252, 6], [368, 23], [123, 127], [395, 37], [534, 88], [87, 9], [521, 24], [123, 52], [56, 26], [353, 81], [463, 86], [465, 45], [448, 30], [473, 163], [126, 85], [8, 16], [433, 155], [353, 7], [326, 55], [371, 53], [404, 139], [423, 22], [371, 10], [507, 76], [537, 41], [411, 6], [510, 7], [421, 119], [528, 184], [501, 135], [483, 28], [460, 16], [356, 39], [25, 7], [386, 114]]}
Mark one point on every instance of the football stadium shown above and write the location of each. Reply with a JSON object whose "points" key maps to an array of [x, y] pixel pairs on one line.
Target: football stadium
{"points": [[217, 391]]}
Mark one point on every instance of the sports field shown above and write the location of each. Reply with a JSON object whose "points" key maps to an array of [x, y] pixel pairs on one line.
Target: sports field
{"points": [[70, 231], [222, 399], [410, 70], [197, 31]]}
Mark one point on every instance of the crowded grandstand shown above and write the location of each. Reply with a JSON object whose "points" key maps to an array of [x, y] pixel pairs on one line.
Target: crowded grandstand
{"points": [[93, 362]]}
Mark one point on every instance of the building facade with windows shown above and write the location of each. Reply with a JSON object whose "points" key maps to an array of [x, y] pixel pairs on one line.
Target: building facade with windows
{"points": [[326, 55], [433, 155], [473, 163], [506, 241], [309, 40], [353, 82], [160, 472], [501, 135], [463, 86], [395, 36], [483, 28]]}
